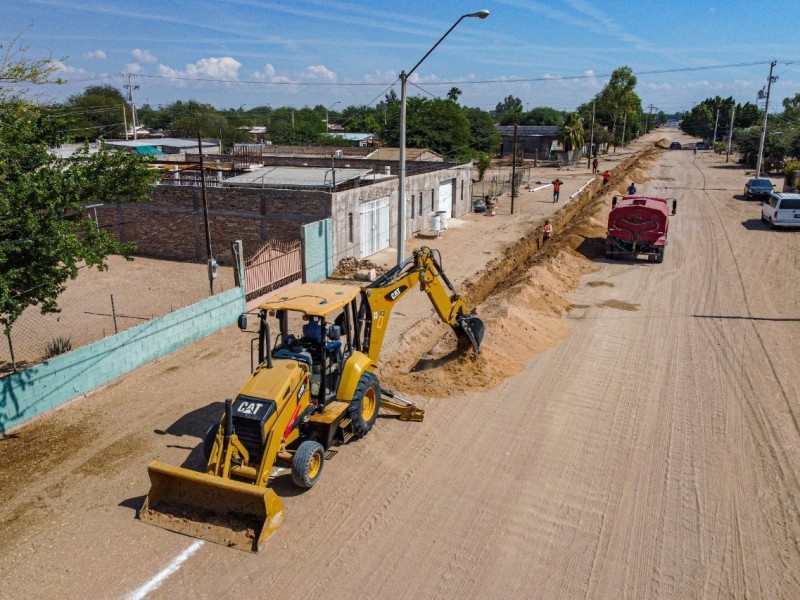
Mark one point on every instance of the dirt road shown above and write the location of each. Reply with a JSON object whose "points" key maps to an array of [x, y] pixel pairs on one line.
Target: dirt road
{"points": [[644, 443]]}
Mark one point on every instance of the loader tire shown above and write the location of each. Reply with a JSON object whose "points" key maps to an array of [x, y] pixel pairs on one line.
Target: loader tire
{"points": [[307, 464], [363, 410]]}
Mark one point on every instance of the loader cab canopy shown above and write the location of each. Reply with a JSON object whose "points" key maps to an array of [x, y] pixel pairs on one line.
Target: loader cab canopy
{"points": [[314, 299]]}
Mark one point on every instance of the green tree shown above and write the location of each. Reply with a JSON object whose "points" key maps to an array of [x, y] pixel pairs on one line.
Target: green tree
{"points": [[616, 103], [571, 133], [294, 127], [18, 73], [747, 115], [436, 124], [361, 119], [45, 232], [484, 136], [483, 163], [100, 111], [453, 94], [542, 115], [508, 111]]}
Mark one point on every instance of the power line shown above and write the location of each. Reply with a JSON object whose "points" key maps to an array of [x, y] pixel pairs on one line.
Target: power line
{"points": [[430, 83]]}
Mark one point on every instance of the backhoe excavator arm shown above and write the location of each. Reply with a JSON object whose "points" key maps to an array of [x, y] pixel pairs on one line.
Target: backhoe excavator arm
{"points": [[421, 268]]}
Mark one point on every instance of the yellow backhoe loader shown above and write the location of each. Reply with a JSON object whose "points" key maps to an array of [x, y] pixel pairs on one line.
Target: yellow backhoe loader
{"points": [[307, 394]]}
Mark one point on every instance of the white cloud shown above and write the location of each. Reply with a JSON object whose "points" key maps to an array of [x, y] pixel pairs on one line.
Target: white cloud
{"points": [[67, 70], [312, 73], [133, 68], [98, 54], [317, 73], [223, 68], [144, 56]]}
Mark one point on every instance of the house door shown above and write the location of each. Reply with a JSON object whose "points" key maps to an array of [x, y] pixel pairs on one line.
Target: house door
{"points": [[446, 196], [374, 226]]}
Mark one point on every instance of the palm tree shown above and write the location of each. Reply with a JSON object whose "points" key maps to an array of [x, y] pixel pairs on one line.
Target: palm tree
{"points": [[453, 94], [571, 134]]}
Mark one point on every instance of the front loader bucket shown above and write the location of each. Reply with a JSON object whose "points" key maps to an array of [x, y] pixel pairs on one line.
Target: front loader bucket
{"points": [[223, 511], [471, 328]]}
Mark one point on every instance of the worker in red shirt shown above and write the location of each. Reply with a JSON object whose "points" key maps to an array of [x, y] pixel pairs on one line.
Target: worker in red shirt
{"points": [[606, 177], [556, 187], [547, 231]]}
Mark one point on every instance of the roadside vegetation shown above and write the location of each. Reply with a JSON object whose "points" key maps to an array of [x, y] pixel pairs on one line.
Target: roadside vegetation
{"points": [[781, 142]]}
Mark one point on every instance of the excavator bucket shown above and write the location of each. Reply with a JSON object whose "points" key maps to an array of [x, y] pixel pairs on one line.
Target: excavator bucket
{"points": [[471, 328], [224, 511]]}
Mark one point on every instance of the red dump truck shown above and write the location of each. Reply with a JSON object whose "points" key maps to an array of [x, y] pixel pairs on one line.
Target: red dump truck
{"points": [[638, 225]]}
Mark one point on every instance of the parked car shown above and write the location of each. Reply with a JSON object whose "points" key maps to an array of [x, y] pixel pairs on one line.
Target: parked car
{"points": [[781, 210], [675, 146], [758, 188], [701, 146]]}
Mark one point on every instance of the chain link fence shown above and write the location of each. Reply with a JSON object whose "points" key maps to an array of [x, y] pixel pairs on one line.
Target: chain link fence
{"points": [[101, 303]]}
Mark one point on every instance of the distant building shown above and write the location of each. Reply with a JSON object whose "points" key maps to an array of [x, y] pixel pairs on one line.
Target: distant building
{"points": [[176, 148], [363, 140], [258, 194], [533, 141]]}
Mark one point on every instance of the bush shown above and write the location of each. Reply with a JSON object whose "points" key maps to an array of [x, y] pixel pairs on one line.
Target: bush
{"points": [[58, 346]]}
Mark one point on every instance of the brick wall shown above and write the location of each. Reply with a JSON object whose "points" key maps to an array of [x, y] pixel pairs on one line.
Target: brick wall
{"points": [[172, 225]]}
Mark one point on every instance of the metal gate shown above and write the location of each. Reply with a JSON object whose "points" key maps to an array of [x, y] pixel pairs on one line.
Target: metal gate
{"points": [[374, 227], [274, 265], [446, 197]]}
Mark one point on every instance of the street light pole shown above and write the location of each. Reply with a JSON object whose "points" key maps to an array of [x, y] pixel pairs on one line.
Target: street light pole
{"points": [[401, 201]]}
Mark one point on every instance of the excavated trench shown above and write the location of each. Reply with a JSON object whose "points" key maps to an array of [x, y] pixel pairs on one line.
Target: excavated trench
{"points": [[520, 296]]}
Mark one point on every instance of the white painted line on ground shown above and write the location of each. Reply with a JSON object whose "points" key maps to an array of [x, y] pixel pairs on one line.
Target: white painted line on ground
{"points": [[161, 577]]}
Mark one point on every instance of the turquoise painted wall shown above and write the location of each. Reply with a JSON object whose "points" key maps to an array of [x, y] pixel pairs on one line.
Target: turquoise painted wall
{"points": [[318, 250], [40, 388]]}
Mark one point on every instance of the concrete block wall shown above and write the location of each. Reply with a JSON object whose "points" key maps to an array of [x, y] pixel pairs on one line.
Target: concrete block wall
{"points": [[41, 388]]}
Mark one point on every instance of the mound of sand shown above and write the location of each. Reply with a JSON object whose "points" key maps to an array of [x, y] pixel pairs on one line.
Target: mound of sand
{"points": [[522, 312]]}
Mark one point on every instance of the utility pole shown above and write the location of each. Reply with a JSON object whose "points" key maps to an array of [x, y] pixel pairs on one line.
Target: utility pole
{"points": [[624, 125], [514, 167], [212, 264], [730, 132], [130, 87], [647, 118], [125, 120], [764, 126], [716, 122], [591, 139]]}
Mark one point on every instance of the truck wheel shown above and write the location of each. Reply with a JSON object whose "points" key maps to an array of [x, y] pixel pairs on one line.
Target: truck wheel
{"points": [[660, 256], [307, 464], [363, 410]]}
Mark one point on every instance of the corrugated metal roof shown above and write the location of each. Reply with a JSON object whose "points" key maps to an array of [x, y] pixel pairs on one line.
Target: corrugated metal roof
{"points": [[295, 177], [172, 142], [548, 130], [148, 151]]}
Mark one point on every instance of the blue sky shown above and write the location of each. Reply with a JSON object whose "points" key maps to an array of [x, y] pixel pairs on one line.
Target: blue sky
{"points": [[298, 53]]}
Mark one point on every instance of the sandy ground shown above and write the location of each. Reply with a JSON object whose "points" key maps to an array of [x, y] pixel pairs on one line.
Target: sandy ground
{"points": [[630, 430]]}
